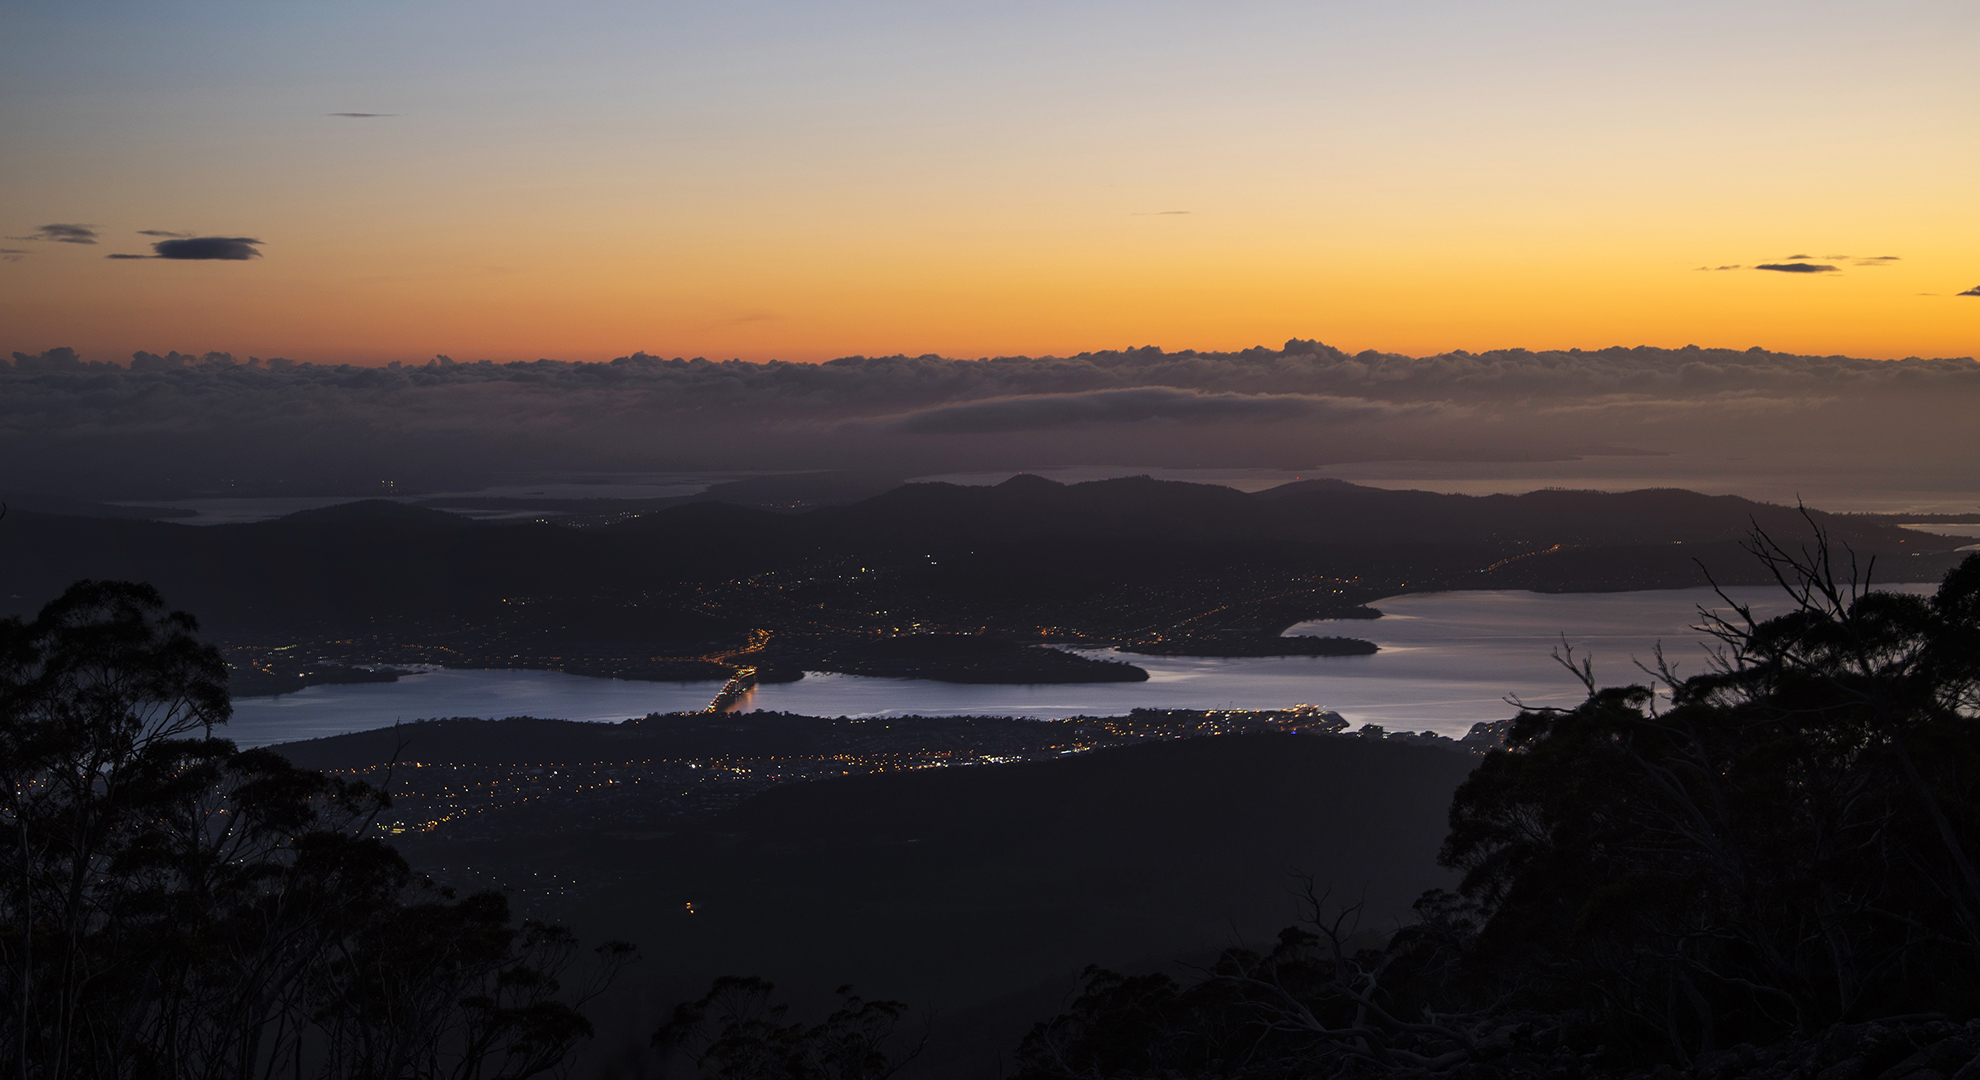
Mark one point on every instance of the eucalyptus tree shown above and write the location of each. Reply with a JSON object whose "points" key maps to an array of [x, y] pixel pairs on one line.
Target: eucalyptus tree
{"points": [[1790, 842], [1785, 842], [175, 907]]}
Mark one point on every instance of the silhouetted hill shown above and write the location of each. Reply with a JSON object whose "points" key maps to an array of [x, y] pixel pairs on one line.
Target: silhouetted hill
{"points": [[1029, 560], [1649, 516], [1335, 512], [1030, 483], [1317, 485], [955, 886], [798, 491], [41, 502], [711, 524], [784, 493], [1132, 506]]}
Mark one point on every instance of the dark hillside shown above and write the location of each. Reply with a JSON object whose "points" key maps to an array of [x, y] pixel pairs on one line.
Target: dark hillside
{"points": [[784, 493], [975, 574], [1331, 512], [1649, 516], [1026, 506], [352, 565], [959, 885], [42, 502], [346, 568], [956, 886]]}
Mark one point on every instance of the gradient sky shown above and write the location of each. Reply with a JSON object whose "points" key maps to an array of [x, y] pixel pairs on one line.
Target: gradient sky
{"points": [[770, 179]]}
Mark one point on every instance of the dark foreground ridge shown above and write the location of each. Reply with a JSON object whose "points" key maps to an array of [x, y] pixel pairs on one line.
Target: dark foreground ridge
{"points": [[980, 889]]}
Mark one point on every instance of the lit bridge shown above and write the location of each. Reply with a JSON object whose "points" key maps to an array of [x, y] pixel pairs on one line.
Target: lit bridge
{"points": [[742, 682]]}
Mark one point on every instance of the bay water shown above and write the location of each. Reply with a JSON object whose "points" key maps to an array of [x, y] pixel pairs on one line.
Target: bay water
{"points": [[1447, 660]]}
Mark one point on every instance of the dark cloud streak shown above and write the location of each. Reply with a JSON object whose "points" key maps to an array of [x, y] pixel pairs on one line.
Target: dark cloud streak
{"points": [[1798, 268], [63, 234], [224, 248]]}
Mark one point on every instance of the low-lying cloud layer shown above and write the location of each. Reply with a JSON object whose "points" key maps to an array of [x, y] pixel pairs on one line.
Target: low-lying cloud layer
{"points": [[1044, 412], [177, 422]]}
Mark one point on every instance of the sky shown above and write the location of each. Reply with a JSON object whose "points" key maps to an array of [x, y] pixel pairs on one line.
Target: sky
{"points": [[774, 180]]}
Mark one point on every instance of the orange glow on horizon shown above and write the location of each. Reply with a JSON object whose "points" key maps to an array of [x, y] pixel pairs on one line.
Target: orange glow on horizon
{"points": [[701, 181]]}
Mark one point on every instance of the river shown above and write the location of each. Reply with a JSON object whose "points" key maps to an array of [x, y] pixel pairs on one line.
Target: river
{"points": [[1448, 660]]}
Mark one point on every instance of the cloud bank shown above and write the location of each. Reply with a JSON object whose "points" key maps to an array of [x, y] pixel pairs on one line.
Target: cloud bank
{"points": [[1049, 411], [175, 422]]}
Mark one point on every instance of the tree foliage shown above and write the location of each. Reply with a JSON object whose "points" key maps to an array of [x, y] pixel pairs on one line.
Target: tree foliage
{"points": [[1789, 844], [1780, 846], [171, 906], [737, 1031]]}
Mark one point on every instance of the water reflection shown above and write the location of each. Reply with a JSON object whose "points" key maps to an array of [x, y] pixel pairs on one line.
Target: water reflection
{"points": [[1447, 661]]}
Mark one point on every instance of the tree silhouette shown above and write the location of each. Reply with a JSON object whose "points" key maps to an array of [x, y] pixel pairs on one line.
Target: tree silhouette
{"points": [[1788, 845], [173, 906], [1765, 852], [736, 1031]]}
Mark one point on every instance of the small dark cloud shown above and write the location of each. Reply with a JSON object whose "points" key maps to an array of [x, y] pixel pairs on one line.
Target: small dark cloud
{"points": [[1974, 291], [12, 254], [1801, 256], [1876, 260], [230, 248], [234, 248], [1717, 268], [1798, 267], [362, 115], [63, 234], [162, 232]]}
